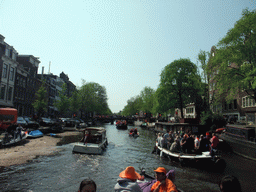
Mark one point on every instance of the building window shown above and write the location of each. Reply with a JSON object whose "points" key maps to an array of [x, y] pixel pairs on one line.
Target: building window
{"points": [[7, 52], [10, 94], [3, 88], [190, 110], [12, 74], [248, 102], [5, 71], [235, 104]]}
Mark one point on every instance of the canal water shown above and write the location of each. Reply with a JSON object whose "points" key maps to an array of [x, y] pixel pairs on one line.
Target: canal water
{"points": [[65, 171]]}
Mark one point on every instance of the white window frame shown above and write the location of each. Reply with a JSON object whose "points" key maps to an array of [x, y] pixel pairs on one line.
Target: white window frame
{"points": [[5, 70]]}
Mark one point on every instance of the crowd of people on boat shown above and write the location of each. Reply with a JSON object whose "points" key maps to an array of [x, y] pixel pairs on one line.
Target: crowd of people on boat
{"points": [[130, 180], [186, 142]]}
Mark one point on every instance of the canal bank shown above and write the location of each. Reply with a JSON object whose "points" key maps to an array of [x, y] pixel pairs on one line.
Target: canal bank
{"points": [[30, 149]]}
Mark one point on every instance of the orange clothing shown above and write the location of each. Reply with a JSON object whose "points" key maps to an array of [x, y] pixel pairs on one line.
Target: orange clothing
{"points": [[168, 187]]}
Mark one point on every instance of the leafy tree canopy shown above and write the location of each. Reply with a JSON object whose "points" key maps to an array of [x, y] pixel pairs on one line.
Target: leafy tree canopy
{"points": [[234, 61], [179, 84]]}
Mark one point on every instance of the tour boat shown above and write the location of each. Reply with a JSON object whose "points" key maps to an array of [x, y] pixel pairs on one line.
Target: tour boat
{"points": [[95, 145], [203, 158]]}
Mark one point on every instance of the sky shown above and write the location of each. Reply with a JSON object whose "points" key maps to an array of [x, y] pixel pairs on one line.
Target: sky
{"points": [[121, 45]]}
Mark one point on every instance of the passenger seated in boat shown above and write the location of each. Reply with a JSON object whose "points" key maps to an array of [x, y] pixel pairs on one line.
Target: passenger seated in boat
{"points": [[127, 181], [175, 147], [135, 132], [163, 183], [146, 186], [87, 185], [86, 137]]}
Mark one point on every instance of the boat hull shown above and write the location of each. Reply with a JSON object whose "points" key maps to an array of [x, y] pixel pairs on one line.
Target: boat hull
{"points": [[241, 147]]}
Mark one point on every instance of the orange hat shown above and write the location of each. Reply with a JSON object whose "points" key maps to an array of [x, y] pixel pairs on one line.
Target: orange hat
{"points": [[207, 133], [160, 170], [129, 173]]}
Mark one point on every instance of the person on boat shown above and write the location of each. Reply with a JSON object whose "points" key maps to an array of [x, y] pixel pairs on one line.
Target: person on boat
{"points": [[214, 145], [135, 132], [190, 143], [163, 184], [146, 186], [87, 185], [230, 183], [166, 137], [86, 137], [19, 128], [175, 147], [204, 144], [183, 144], [131, 131], [128, 180]]}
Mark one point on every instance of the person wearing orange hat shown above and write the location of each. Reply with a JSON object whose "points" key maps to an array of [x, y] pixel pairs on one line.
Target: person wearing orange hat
{"points": [[163, 184], [127, 180]]}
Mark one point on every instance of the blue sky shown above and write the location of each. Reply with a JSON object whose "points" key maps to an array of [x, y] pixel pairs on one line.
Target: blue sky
{"points": [[122, 45]]}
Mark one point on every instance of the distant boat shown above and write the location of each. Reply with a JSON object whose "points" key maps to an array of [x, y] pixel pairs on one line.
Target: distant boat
{"points": [[121, 124], [96, 144]]}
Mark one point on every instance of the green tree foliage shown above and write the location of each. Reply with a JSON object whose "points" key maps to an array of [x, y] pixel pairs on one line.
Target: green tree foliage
{"points": [[133, 106], [40, 104], [179, 85], [93, 98], [147, 96], [74, 102], [212, 121], [234, 61]]}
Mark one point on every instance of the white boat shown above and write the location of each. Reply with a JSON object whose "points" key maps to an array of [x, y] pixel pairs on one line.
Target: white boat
{"points": [[11, 141], [96, 144]]}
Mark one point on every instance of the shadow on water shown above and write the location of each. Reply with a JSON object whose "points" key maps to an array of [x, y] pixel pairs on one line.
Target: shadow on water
{"points": [[65, 170]]}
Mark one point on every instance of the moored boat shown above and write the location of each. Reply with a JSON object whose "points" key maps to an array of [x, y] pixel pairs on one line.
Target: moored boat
{"points": [[95, 144], [241, 139], [35, 134], [10, 140]]}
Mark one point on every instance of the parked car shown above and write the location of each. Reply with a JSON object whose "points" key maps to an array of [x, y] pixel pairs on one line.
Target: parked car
{"points": [[46, 122], [68, 122], [22, 122], [32, 123]]}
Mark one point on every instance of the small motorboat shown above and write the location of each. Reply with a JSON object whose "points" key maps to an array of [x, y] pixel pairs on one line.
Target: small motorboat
{"points": [[35, 134], [134, 135], [95, 144], [10, 140]]}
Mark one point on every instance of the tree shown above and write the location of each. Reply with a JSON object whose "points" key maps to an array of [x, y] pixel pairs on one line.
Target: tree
{"points": [[134, 105], [41, 102], [93, 98], [234, 62], [74, 102], [62, 104], [179, 84], [147, 96]]}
